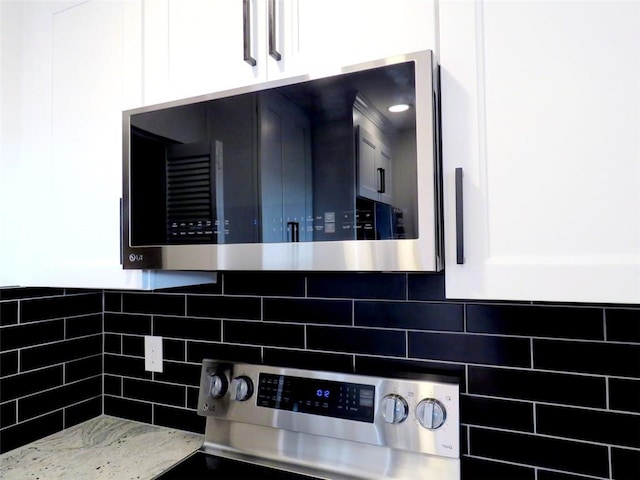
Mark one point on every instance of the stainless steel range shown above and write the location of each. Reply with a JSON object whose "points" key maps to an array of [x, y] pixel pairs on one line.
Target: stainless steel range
{"points": [[287, 423]]}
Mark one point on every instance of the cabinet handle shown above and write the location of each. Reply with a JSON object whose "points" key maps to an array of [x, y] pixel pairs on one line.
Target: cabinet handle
{"points": [[246, 29], [294, 230], [121, 232], [459, 219], [272, 31], [382, 181]]}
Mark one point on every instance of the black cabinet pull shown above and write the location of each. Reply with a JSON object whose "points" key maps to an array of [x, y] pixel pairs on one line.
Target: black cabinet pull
{"points": [[121, 231], [382, 181], [294, 231], [459, 219], [246, 30], [272, 31]]}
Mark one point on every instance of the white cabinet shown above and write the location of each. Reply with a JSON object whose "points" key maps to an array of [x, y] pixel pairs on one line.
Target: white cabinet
{"points": [[541, 109], [86, 58], [374, 167], [195, 47]]}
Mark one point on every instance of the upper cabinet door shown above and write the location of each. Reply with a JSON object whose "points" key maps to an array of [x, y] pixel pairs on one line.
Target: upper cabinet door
{"points": [[541, 110]]}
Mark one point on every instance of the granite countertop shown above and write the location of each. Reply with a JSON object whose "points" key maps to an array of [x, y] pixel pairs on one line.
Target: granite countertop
{"points": [[102, 448]]}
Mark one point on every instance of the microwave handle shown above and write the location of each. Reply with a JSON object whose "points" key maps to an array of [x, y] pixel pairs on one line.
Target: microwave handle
{"points": [[459, 218], [273, 51], [246, 30]]}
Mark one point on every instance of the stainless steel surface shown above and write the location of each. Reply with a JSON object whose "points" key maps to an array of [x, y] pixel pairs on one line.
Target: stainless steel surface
{"points": [[335, 448], [246, 32], [273, 50], [420, 254]]}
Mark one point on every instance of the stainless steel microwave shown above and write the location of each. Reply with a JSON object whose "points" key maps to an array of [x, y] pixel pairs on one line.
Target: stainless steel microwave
{"points": [[334, 173]]}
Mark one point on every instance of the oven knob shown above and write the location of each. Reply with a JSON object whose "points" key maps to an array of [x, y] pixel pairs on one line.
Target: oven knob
{"points": [[219, 385], [241, 388], [431, 413], [394, 409]]}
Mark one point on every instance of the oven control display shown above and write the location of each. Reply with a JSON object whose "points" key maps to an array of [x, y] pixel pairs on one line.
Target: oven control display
{"points": [[352, 401]]}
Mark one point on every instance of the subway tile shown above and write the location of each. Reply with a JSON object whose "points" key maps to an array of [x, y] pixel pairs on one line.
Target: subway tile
{"points": [[8, 414], [247, 308], [396, 367], [178, 418], [113, 385], [491, 412], [8, 313], [129, 409], [183, 373], [539, 451], [332, 362], [623, 325], [32, 382], [357, 340], [154, 392], [122, 323], [624, 395], [625, 464], [536, 321], [82, 412], [549, 475], [202, 289], [334, 312], [266, 284], [57, 307], [29, 292], [197, 351], [260, 333], [192, 398], [8, 363], [112, 302], [587, 357], [59, 352], [28, 335], [85, 368], [133, 346], [185, 327], [112, 343], [549, 387], [484, 349], [27, 432], [153, 303], [410, 315], [83, 326], [125, 366], [174, 349], [603, 427], [426, 286], [50, 400], [387, 286], [480, 469]]}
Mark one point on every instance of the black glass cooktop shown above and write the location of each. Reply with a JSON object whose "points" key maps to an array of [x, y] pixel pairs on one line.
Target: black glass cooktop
{"points": [[201, 466]]}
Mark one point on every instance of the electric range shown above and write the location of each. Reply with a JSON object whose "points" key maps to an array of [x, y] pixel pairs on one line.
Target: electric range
{"points": [[288, 423]]}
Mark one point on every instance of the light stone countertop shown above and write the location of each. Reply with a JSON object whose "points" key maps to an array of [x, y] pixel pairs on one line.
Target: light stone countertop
{"points": [[102, 448]]}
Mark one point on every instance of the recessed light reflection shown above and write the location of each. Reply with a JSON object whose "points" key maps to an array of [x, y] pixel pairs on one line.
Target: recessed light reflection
{"points": [[401, 107]]}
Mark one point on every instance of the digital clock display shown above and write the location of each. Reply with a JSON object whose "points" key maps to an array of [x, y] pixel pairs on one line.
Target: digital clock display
{"points": [[351, 401]]}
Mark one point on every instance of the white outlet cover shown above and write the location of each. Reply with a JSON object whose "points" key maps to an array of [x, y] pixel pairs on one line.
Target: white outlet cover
{"points": [[153, 354]]}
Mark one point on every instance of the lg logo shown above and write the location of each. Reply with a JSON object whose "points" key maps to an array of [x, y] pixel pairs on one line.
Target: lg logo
{"points": [[136, 257]]}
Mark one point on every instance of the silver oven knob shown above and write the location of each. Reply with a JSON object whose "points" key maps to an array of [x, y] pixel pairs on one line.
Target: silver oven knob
{"points": [[218, 385], [431, 413], [394, 409], [241, 388]]}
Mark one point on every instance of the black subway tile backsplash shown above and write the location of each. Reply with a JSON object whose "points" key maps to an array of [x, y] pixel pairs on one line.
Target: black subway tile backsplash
{"points": [[486, 349], [562, 411], [410, 315], [536, 321]]}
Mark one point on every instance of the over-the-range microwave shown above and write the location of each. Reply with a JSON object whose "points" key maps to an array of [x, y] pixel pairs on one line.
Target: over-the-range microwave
{"points": [[305, 173]]}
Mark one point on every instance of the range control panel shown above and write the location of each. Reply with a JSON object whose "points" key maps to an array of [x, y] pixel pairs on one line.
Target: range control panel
{"points": [[412, 414]]}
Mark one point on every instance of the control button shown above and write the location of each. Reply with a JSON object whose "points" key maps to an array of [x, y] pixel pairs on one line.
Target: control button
{"points": [[219, 385], [431, 413], [394, 409], [241, 388]]}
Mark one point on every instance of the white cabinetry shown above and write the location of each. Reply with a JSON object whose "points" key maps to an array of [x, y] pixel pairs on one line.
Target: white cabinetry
{"points": [[541, 109], [195, 47], [374, 167], [72, 164]]}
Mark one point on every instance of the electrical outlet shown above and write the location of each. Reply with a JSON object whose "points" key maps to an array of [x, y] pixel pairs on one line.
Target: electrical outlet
{"points": [[153, 353]]}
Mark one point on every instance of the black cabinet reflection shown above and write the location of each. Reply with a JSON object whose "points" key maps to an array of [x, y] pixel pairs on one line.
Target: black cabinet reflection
{"points": [[321, 160]]}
